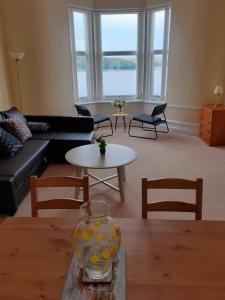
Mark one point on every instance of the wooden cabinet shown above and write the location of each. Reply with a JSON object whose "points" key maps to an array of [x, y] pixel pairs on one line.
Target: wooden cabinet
{"points": [[212, 125]]}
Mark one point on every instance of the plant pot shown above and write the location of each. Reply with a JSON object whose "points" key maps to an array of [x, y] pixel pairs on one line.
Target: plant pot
{"points": [[102, 151]]}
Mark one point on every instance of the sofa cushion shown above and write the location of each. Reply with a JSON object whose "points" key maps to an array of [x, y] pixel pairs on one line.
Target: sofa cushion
{"points": [[42, 136], [73, 136], [18, 128], [38, 127], [21, 164], [65, 124], [9, 145], [14, 113], [1, 118]]}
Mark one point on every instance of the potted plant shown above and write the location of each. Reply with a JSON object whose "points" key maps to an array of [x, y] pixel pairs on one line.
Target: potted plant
{"points": [[119, 102], [101, 144]]}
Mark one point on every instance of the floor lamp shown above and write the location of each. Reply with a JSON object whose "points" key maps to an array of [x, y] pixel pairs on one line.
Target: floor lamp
{"points": [[17, 56]]}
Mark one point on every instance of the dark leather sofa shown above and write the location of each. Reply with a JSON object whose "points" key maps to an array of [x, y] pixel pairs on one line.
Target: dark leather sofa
{"points": [[65, 133]]}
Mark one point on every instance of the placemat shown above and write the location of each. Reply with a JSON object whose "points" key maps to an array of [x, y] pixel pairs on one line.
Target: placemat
{"points": [[75, 289]]}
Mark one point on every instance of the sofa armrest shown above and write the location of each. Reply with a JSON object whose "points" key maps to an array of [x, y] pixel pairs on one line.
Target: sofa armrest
{"points": [[8, 203], [69, 124]]}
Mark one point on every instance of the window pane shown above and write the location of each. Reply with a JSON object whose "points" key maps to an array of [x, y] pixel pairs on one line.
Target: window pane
{"points": [[157, 75], [79, 31], [158, 29], [119, 75], [81, 76], [119, 32]]}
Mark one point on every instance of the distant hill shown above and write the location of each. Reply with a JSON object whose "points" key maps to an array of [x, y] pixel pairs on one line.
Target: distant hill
{"points": [[114, 63], [109, 64]]}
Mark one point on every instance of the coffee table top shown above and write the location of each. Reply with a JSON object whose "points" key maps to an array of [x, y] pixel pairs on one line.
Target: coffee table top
{"points": [[89, 156], [120, 114]]}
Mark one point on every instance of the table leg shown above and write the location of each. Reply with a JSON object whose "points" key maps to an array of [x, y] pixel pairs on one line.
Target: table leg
{"points": [[124, 123], [121, 173], [78, 174], [116, 123]]}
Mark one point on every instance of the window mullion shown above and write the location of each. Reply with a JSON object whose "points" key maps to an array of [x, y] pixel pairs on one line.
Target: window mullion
{"points": [[140, 55], [148, 55], [89, 57], [98, 57], [73, 48], [165, 46]]}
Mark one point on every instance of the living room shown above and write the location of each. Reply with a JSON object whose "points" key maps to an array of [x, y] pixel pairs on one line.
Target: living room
{"points": [[44, 82]]}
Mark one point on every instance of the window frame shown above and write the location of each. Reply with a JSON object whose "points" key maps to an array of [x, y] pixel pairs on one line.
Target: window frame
{"points": [[150, 53], [144, 54], [101, 53], [88, 54]]}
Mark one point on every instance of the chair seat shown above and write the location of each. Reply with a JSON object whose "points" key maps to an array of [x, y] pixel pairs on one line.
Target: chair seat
{"points": [[100, 118], [145, 118]]}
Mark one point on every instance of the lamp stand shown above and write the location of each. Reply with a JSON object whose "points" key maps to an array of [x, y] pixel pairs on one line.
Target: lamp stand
{"points": [[17, 56]]}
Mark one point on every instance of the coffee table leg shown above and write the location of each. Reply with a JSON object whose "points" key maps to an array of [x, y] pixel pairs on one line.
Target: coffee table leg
{"points": [[78, 174], [124, 123], [116, 123], [121, 172]]}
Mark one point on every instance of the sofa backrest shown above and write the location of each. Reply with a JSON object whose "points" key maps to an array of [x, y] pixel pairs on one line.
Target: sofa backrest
{"points": [[69, 124], [1, 118]]}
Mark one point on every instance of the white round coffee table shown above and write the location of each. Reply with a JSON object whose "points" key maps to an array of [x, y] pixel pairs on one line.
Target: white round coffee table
{"points": [[89, 157]]}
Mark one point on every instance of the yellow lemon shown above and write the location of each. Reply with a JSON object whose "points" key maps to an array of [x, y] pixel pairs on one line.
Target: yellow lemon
{"points": [[87, 234], [106, 253], [117, 231], [113, 225], [113, 249], [77, 233], [77, 254], [100, 236], [113, 238], [96, 224], [93, 259]]}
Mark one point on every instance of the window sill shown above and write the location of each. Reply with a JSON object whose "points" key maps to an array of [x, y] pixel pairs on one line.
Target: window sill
{"points": [[108, 101]]}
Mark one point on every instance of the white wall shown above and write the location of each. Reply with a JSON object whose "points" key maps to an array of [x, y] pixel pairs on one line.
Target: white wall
{"points": [[41, 29], [5, 89]]}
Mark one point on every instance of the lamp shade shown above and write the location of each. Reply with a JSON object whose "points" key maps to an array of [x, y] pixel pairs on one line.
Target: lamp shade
{"points": [[218, 90], [17, 55]]}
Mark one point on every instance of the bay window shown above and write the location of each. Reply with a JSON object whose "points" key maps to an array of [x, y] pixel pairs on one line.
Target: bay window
{"points": [[119, 53]]}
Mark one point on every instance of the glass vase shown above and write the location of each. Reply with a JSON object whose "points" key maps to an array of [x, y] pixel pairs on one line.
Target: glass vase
{"points": [[96, 239], [120, 110]]}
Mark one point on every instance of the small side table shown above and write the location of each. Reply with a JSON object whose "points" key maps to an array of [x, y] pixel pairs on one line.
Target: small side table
{"points": [[121, 115]]}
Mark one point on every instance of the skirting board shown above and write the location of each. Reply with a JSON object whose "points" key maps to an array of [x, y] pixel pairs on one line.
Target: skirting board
{"points": [[184, 127]]}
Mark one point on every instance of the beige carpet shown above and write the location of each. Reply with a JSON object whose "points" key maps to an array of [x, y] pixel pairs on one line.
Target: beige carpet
{"points": [[172, 155]]}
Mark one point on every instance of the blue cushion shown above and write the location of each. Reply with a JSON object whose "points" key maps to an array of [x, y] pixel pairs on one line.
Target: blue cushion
{"points": [[100, 118], [14, 113], [9, 144], [145, 118]]}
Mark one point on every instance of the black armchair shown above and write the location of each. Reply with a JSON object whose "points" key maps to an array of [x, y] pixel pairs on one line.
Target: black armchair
{"points": [[98, 119], [153, 120]]}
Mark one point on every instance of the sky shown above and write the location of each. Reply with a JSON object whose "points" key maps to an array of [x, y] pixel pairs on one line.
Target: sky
{"points": [[119, 31]]}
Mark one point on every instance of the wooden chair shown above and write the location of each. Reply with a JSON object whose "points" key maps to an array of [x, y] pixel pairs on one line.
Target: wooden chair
{"points": [[59, 203], [173, 183]]}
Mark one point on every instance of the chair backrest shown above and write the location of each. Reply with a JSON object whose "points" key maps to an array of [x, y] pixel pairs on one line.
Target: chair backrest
{"points": [[158, 110], [57, 203], [83, 111], [176, 206]]}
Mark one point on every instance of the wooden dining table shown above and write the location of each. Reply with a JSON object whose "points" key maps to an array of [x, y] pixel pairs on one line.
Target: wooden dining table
{"points": [[165, 260]]}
